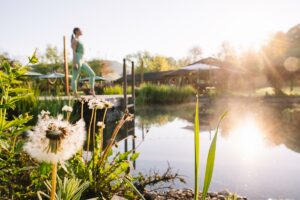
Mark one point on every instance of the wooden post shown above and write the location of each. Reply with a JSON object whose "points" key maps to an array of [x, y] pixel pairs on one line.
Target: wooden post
{"points": [[133, 84], [66, 68], [142, 71], [124, 84]]}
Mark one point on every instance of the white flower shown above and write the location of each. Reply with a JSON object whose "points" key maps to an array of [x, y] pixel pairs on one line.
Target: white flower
{"points": [[44, 114], [108, 104], [95, 104], [54, 140], [67, 108], [101, 125]]}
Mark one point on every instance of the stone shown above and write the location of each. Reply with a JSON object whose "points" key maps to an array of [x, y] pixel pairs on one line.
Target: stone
{"points": [[115, 197], [224, 193], [213, 194], [221, 197]]}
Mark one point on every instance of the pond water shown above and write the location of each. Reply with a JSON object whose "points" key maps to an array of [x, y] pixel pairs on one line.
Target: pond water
{"points": [[257, 149]]}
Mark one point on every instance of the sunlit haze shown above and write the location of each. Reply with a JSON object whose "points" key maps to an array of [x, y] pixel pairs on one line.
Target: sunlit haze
{"points": [[113, 29]]}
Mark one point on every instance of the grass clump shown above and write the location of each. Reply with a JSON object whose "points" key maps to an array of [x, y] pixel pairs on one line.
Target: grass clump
{"points": [[164, 94], [116, 89]]}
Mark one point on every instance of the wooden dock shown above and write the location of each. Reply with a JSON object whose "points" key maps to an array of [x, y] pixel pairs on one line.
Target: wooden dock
{"points": [[116, 100]]}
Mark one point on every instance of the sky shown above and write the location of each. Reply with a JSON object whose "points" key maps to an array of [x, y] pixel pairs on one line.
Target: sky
{"points": [[114, 28]]}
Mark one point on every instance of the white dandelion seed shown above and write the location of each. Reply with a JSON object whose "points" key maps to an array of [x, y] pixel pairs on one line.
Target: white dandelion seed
{"points": [[44, 114], [101, 125], [108, 104], [67, 108], [54, 140], [95, 104]]}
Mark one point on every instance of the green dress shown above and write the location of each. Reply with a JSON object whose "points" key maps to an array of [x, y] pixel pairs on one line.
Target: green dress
{"points": [[82, 66]]}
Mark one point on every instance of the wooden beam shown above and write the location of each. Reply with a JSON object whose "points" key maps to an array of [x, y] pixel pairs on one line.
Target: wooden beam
{"points": [[66, 67]]}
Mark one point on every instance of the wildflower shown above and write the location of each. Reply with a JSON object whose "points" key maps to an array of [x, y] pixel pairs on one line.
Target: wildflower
{"points": [[67, 109], [44, 114], [107, 104], [54, 140], [95, 104], [101, 125]]}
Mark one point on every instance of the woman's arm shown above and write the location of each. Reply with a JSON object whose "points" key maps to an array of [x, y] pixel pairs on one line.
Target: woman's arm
{"points": [[74, 46]]}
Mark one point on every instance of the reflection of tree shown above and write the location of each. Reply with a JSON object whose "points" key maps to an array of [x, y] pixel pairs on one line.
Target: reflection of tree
{"points": [[279, 123], [159, 115]]}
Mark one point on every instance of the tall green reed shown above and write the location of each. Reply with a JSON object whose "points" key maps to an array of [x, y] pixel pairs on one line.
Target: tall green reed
{"points": [[210, 157], [211, 160], [197, 149]]}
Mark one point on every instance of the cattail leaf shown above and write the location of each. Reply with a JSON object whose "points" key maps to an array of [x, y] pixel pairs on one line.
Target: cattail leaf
{"points": [[197, 149], [211, 161]]}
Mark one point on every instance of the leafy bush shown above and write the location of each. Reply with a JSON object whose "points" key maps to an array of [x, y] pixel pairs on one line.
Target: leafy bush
{"points": [[164, 94]]}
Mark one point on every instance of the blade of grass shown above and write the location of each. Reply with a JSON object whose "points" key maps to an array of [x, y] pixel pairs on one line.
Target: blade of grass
{"points": [[197, 147], [127, 179], [211, 161]]}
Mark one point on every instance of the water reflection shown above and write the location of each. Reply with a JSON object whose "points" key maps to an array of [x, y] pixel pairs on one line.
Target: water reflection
{"points": [[247, 136], [257, 153], [249, 125]]}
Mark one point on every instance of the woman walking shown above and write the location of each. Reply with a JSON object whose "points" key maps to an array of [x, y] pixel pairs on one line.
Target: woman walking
{"points": [[79, 64]]}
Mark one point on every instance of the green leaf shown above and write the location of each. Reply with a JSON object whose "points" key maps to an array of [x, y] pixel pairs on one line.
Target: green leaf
{"points": [[211, 161], [128, 181], [134, 156], [33, 59], [197, 149], [45, 168]]}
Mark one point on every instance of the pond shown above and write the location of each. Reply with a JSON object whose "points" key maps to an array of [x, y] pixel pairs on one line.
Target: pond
{"points": [[257, 151]]}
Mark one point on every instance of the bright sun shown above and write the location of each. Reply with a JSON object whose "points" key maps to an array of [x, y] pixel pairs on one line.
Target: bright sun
{"points": [[248, 137]]}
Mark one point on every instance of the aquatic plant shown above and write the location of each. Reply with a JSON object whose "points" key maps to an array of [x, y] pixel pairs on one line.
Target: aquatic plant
{"points": [[197, 148], [116, 89], [211, 160], [210, 157], [164, 94]]}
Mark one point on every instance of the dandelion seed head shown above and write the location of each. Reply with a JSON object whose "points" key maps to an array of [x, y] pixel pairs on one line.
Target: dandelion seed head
{"points": [[67, 108], [95, 104], [44, 114], [101, 125], [71, 139], [108, 104]]}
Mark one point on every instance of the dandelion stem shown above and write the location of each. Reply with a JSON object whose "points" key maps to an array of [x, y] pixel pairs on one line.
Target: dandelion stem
{"points": [[81, 114], [53, 181], [68, 116], [94, 137], [112, 140]]}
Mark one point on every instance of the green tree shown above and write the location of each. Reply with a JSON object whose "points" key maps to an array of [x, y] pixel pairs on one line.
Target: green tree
{"points": [[52, 55], [147, 62], [274, 55]]}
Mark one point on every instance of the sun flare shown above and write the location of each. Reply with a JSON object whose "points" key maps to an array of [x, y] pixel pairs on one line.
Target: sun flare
{"points": [[248, 137]]}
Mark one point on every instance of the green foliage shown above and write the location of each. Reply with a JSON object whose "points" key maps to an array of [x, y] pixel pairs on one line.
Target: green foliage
{"points": [[151, 63], [210, 161], [68, 189], [116, 89], [15, 166], [106, 179], [164, 94], [197, 148]]}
